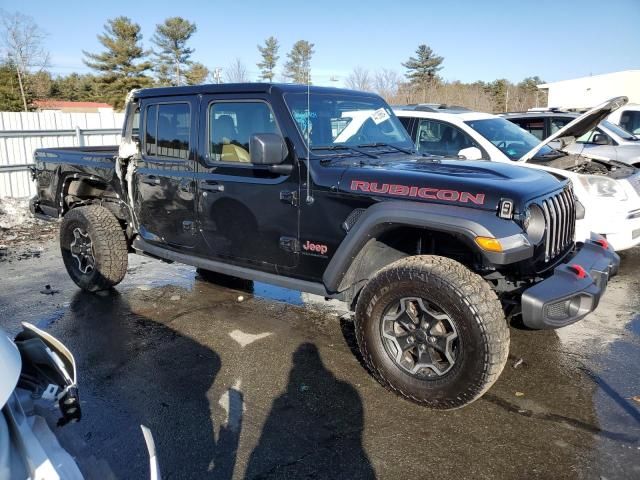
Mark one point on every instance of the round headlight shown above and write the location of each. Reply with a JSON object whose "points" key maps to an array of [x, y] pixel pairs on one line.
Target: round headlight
{"points": [[534, 224]]}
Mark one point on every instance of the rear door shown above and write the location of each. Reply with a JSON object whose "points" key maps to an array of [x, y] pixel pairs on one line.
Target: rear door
{"points": [[247, 213], [163, 181]]}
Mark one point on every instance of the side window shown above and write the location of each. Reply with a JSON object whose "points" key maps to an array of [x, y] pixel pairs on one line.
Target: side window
{"points": [[630, 121], [231, 125], [150, 130], [135, 124], [559, 122], [437, 138], [167, 130], [406, 123], [589, 136], [535, 126]]}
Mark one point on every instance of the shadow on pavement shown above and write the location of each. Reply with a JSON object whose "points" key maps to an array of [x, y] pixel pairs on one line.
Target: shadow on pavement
{"points": [[314, 429], [137, 371]]}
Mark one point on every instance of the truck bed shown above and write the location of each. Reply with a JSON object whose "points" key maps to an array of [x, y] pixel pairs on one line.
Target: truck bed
{"points": [[55, 168]]}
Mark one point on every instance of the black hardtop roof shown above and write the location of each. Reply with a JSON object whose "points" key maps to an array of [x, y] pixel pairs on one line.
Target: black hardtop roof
{"points": [[242, 88]]}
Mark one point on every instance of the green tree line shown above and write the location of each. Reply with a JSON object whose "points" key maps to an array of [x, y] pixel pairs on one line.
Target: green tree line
{"points": [[123, 63]]}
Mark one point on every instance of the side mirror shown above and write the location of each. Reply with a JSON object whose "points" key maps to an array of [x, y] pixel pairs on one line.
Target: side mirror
{"points": [[471, 153], [600, 139], [267, 149]]}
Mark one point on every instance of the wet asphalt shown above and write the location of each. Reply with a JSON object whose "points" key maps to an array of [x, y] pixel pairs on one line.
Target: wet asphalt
{"points": [[267, 386]]}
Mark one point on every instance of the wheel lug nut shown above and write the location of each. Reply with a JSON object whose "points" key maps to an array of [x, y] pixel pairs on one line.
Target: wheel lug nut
{"points": [[423, 347], [432, 339], [410, 339]]}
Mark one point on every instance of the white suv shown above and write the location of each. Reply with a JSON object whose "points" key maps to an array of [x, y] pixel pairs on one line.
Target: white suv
{"points": [[608, 191]]}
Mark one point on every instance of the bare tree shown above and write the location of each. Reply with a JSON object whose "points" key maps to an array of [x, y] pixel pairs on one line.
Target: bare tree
{"points": [[386, 83], [359, 79], [237, 72], [22, 41]]}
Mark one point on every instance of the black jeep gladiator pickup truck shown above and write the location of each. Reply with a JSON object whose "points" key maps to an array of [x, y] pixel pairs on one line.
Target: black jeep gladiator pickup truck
{"points": [[320, 190]]}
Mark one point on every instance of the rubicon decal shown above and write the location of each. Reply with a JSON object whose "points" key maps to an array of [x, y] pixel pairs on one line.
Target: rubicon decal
{"points": [[418, 192], [318, 248]]}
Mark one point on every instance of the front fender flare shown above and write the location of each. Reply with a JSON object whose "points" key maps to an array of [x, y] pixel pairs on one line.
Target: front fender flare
{"points": [[468, 223]]}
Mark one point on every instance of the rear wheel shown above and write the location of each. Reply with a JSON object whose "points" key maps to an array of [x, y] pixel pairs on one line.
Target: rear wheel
{"points": [[432, 331], [94, 248]]}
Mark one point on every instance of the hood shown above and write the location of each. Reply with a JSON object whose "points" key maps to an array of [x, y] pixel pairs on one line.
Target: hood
{"points": [[11, 367], [578, 127], [473, 184]]}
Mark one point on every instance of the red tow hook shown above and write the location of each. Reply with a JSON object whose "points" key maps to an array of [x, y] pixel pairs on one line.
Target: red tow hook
{"points": [[603, 243], [578, 270]]}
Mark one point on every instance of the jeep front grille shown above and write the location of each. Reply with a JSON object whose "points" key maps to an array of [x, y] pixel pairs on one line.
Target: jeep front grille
{"points": [[560, 218]]}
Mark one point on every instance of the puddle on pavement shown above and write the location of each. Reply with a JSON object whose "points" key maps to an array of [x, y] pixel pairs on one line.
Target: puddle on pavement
{"points": [[634, 325], [280, 294], [151, 274], [46, 321]]}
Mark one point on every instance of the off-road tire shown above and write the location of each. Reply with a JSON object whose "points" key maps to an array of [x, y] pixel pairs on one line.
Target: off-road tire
{"points": [[471, 305], [109, 247]]}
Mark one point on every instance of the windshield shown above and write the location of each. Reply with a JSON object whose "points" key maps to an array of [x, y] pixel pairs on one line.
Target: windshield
{"points": [[330, 121], [508, 137], [621, 132]]}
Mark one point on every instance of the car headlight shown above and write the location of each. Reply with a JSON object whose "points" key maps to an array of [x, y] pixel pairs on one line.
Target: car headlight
{"points": [[534, 224], [603, 187]]}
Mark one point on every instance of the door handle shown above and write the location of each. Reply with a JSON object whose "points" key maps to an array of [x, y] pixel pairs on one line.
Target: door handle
{"points": [[150, 180], [208, 186]]}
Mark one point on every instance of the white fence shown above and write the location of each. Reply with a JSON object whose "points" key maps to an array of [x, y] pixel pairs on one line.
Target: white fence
{"points": [[21, 133]]}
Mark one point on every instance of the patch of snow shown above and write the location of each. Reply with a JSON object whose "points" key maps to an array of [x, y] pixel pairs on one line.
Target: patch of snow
{"points": [[14, 212]]}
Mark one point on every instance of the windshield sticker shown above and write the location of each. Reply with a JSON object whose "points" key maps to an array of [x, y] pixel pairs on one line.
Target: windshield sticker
{"points": [[302, 117], [379, 116]]}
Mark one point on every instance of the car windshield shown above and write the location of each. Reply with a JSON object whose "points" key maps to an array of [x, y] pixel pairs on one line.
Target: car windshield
{"points": [[508, 137], [334, 121], [621, 132]]}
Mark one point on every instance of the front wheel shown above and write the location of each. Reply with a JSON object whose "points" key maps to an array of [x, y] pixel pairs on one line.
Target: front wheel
{"points": [[432, 331], [94, 248]]}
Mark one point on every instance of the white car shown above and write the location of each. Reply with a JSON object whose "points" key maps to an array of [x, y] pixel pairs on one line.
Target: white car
{"points": [[608, 192]]}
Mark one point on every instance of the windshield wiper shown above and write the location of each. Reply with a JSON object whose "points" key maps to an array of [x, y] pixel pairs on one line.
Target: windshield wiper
{"points": [[382, 144], [345, 147]]}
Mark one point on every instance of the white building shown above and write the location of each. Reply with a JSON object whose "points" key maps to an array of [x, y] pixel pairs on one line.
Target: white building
{"points": [[587, 92]]}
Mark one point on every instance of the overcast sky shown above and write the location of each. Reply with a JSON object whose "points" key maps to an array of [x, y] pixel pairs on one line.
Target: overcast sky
{"points": [[480, 40]]}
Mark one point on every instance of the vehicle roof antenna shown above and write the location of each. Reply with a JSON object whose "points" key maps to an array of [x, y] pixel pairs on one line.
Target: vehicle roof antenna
{"points": [[309, 198]]}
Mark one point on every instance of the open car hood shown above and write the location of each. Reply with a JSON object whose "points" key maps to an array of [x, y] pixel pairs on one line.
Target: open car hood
{"points": [[578, 127]]}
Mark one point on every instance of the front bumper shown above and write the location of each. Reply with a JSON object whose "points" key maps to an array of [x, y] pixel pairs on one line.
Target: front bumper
{"points": [[574, 289]]}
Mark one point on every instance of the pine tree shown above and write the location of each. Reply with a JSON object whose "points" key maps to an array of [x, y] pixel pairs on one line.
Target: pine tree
{"points": [[197, 74], [10, 95], [421, 71], [269, 59], [173, 55], [122, 65], [298, 67]]}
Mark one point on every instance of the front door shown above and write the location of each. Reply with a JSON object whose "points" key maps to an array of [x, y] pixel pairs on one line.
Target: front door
{"points": [[163, 181], [246, 212]]}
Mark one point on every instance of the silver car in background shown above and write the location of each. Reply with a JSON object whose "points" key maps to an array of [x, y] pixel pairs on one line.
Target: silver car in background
{"points": [[605, 142]]}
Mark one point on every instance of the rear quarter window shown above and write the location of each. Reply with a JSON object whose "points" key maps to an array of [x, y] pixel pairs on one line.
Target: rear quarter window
{"points": [[167, 130]]}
